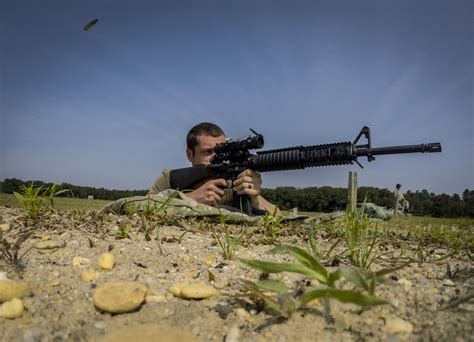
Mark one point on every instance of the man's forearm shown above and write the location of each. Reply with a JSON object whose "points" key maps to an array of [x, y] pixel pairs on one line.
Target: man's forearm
{"points": [[262, 204]]}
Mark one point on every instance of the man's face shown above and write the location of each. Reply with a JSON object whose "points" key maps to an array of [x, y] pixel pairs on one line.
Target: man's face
{"points": [[204, 150]]}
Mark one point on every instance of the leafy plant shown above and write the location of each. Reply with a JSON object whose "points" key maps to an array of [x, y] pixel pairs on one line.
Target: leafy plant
{"points": [[271, 224], [123, 233], [35, 200], [229, 243], [129, 210], [151, 209], [52, 192], [347, 285], [316, 251], [360, 241]]}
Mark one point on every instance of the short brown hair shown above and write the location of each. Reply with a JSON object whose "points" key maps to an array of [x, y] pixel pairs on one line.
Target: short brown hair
{"points": [[204, 128]]}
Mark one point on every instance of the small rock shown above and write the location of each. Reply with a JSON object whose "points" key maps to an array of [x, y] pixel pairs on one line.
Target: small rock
{"points": [[120, 296], [149, 332], [12, 309], [10, 289], [100, 325], [448, 282], [81, 262], [55, 282], [198, 291], [398, 326], [268, 335], [405, 282], [156, 299], [220, 285], [176, 289], [106, 261], [89, 276], [223, 309], [242, 313], [340, 321], [29, 304], [5, 227], [186, 258], [430, 274], [193, 274], [209, 260], [50, 244], [196, 331], [233, 335], [33, 334]]}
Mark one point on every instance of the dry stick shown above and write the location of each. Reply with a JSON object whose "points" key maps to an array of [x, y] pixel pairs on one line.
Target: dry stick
{"points": [[460, 300]]}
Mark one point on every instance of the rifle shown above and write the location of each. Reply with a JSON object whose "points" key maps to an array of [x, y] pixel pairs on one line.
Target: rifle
{"points": [[233, 157]]}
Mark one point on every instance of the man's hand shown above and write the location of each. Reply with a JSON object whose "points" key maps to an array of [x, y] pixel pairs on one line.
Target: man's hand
{"points": [[209, 193], [248, 183]]}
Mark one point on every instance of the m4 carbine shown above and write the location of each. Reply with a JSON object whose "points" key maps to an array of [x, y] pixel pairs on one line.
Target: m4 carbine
{"points": [[233, 157]]}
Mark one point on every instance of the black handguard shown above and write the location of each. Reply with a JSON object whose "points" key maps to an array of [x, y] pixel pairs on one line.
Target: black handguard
{"points": [[233, 157]]}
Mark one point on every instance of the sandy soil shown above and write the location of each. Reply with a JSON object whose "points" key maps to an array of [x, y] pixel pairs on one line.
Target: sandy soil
{"points": [[61, 304]]}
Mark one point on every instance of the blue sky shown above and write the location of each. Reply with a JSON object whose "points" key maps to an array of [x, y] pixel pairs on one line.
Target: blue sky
{"points": [[111, 107]]}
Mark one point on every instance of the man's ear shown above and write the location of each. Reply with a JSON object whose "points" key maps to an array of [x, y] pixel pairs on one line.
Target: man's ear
{"points": [[189, 154]]}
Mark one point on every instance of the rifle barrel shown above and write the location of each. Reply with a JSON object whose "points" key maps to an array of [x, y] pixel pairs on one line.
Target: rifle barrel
{"points": [[423, 148]]}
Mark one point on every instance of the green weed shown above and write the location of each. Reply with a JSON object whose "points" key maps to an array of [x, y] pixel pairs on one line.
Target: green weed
{"points": [[153, 210], [315, 250], [123, 233], [36, 200], [228, 243], [347, 285], [271, 224], [360, 240]]}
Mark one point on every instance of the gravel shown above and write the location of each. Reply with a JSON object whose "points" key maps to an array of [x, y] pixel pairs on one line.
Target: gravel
{"points": [[61, 306]]}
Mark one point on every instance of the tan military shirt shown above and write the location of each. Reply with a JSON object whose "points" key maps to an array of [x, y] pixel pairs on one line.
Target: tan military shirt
{"points": [[163, 183]]}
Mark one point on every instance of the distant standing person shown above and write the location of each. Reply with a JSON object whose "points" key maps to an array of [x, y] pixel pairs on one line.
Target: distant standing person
{"points": [[401, 204]]}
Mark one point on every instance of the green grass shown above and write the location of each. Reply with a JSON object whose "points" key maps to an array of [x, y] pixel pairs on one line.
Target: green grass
{"points": [[457, 233], [61, 203], [461, 223]]}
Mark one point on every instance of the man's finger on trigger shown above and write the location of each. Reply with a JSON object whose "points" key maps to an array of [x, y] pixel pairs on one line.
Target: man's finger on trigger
{"points": [[220, 183], [244, 173], [220, 192], [249, 179]]}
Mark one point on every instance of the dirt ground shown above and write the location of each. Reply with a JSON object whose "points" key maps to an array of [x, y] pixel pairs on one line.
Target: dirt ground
{"points": [[61, 307]]}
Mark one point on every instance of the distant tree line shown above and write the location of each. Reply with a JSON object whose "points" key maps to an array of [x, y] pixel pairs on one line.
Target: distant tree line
{"points": [[320, 199], [326, 199]]}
